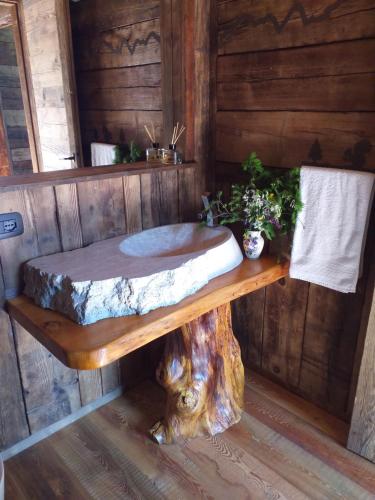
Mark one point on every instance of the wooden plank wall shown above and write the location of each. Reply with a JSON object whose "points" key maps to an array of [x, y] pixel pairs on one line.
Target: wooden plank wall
{"points": [[118, 70], [296, 84], [36, 389], [11, 106]]}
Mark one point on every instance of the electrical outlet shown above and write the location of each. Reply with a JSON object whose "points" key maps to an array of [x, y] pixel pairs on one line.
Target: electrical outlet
{"points": [[10, 225]]}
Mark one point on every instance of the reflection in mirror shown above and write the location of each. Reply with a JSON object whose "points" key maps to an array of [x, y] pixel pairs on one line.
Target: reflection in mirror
{"points": [[117, 55], [15, 155]]}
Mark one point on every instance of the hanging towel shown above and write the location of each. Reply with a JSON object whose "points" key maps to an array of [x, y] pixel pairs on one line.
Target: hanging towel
{"points": [[331, 229], [102, 154]]}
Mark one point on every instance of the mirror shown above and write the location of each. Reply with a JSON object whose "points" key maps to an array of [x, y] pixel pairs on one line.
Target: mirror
{"points": [[15, 147], [91, 75], [117, 54]]}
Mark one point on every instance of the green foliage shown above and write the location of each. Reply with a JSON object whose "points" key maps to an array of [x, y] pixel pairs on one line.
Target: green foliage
{"points": [[128, 153], [134, 153], [118, 154], [270, 201]]}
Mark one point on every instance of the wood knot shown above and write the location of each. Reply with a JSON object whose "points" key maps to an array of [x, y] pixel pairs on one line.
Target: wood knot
{"points": [[187, 400]]}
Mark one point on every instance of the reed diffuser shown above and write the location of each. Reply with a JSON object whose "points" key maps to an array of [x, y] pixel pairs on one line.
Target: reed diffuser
{"points": [[153, 154], [171, 155]]}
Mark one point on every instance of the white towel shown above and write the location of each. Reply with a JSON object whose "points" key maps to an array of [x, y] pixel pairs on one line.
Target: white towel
{"points": [[102, 154], [331, 229]]}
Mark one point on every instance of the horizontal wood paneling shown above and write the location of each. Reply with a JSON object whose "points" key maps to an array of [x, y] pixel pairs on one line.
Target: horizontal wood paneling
{"points": [[251, 26], [117, 13], [287, 139], [331, 93], [296, 84], [133, 76], [146, 98], [117, 60], [62, 217], [345, 58], [128, 46], [119, 126]]}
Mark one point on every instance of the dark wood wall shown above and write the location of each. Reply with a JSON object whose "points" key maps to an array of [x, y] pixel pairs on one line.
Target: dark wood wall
{"points": [[11, 106], [118, 69], [295, 82], [36, 389]]}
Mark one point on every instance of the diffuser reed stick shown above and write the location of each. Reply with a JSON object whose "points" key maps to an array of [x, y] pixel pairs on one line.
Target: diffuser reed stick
{"points": [[151, 136], [177, 132]]}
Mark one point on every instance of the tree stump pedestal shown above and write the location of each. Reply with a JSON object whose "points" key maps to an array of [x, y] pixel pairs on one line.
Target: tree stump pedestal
{"points": [[203, 375]]}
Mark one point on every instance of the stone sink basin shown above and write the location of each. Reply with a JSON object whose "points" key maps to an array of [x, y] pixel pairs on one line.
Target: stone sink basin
{"points": [[131, 274]]}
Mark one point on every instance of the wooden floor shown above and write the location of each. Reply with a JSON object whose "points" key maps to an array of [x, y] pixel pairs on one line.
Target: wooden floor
{"points": [[284, 448]]}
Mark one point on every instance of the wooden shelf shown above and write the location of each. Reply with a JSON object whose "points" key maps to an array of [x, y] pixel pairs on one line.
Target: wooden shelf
{"points": [[75, 175], [94, 346]]}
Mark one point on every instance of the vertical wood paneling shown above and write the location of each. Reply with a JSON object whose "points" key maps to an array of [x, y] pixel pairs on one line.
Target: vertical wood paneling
{"points": [[68, 217], [90, 384], [188, 196], [13, 422], [38, 389], [17, 250], [50, 389], [43, 206], [284, 321], [159, 198], [361, 437], [332, 320], [248, 317], [102, 209], [133, 204]]}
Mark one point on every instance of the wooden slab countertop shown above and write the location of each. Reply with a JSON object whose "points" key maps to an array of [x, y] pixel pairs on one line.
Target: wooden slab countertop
{"points": [[94, 346]]}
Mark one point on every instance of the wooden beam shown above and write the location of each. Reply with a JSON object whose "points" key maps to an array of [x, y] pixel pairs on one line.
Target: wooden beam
{"points": [[96, 345]]}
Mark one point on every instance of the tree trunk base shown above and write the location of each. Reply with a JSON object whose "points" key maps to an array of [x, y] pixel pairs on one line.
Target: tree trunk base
{"points": [[203, 375]]}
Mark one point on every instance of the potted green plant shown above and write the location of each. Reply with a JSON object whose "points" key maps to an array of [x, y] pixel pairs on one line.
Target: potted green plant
{"points": [[267, 203], [128, 153]]}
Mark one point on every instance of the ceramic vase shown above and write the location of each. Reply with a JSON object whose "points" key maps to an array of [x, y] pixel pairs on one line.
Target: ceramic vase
{"points": [[253, 244]]}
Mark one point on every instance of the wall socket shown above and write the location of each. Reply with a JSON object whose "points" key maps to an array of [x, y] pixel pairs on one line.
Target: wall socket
{"points": [[10, 225]]}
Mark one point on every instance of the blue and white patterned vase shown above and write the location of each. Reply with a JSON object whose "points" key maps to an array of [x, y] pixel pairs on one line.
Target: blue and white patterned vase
{"points": [[253, 244]]}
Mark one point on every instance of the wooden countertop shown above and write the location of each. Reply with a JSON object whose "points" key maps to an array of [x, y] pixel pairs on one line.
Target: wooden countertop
{"points": [[94, 346]]}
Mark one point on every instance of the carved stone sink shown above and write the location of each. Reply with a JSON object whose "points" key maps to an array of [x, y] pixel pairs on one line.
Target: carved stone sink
{"points": [[132, 274]]}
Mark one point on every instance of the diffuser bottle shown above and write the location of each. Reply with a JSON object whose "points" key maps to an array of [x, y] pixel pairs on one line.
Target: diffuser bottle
{"points": [[170, 156], [153, 154]]}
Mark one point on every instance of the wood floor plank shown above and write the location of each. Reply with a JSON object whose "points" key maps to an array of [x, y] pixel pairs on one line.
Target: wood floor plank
{"points": [[297, 431], [282, 449], [54, 480]]}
